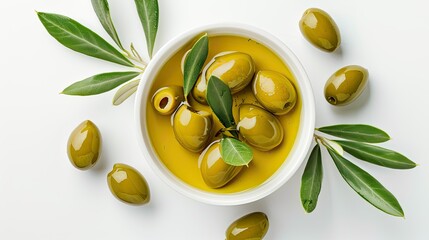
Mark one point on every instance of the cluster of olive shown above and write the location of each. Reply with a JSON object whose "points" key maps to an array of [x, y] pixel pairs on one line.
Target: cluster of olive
{"points": [[125, 182], [346, 84], [258, 126]]}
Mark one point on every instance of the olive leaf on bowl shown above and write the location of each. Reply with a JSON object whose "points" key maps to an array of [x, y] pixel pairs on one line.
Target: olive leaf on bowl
{"points": [[79, 38], [194, 63], [359, 137]]}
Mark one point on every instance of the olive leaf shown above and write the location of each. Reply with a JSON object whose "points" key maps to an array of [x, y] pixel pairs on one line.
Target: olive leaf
{"points": [[311, 181], [101, 8], [125, 92], [377, 155], [366, 185], [234, 152], [356, 132], [99, 83], [219, 98], [79, 38], [194, 63], [149, 16], [333, 144]]}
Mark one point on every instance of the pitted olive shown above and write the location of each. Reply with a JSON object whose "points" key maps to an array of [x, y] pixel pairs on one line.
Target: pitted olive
{"points": [[192, 128], [128, 185], [320, 29], [84, 145], [274, 91], [215, 172], [346, 84], [235, 69], [167, 99], [199, 91], [259, 128], [251, 226]]}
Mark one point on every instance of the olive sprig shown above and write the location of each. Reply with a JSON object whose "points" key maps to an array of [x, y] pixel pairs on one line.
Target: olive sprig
{"points": [[233, 150], [359, 144], [79, 38]]}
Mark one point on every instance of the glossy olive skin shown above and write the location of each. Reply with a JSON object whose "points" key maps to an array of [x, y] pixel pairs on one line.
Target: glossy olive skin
{"points": [[128, 185], [199, 91], [191, 128], [84, 145], [320, 29], [215, 172], [167, 99], [235, 69], [346, 85], [259, 127], [274, 92], [251, 226]]}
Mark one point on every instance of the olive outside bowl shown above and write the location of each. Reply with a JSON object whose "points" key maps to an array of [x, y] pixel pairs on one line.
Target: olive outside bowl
{"points": [[298, 152]]}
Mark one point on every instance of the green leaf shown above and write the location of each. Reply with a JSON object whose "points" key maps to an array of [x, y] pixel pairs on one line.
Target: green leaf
{"points": [[219, 98], [99, 83], [311, 181], [367, 186], [101, 8], [194, 63], [149, 14], [377, 155], [125, 92], [234, 152], [357, 132], [81, 39], [333, 144]]}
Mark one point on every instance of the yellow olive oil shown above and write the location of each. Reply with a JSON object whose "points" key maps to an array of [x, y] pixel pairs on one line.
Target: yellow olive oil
{"points": [[183, 163]]}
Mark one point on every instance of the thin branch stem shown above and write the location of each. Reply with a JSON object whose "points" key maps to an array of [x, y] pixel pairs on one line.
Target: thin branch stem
{"points": [[321, 140], [130, 56], [135, 53], [140, 67]]}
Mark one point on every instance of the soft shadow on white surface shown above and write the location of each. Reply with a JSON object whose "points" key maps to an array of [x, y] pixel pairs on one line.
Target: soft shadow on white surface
{"points": [[359, 104]]}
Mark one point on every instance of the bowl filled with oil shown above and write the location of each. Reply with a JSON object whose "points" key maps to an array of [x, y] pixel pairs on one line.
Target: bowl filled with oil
{"points": [[272, 103]]}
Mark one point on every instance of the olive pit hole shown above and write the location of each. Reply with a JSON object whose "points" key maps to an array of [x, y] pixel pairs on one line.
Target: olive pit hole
{"points": [[332, 100], [163, 103]]}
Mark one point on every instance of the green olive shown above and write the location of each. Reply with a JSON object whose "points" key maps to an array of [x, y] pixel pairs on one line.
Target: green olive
{"points": [[259, 128], [251, 226], [167, 99], [320, 29], [345, 85], [274, 92], [128, 185], [199, 91], [192, 128], [84, 145], [236, 69], [215, 172]]}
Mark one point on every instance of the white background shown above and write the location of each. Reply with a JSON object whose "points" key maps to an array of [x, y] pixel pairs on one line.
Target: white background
{"points": [[43, 197]]}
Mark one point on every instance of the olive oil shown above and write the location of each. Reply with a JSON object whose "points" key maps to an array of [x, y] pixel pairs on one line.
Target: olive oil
{"points": [[183, 163]]}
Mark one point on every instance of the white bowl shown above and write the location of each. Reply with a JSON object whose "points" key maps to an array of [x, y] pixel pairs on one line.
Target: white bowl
{"points": [[302, 141]]}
